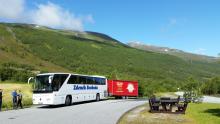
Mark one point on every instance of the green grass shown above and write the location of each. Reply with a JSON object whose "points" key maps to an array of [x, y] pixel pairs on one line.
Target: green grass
{"points": [[205, 113], [8, 87]]}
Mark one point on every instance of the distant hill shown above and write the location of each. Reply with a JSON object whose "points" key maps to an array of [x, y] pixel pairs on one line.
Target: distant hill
{"points": [[43, 49], [179, 53]]}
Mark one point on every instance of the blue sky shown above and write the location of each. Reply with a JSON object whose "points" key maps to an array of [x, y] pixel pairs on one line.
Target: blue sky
{"points": [[189, 25]]}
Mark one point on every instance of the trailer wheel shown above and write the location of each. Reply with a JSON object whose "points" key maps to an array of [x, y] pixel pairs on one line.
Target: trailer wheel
{"points": [[68, 100], [97, 97]]}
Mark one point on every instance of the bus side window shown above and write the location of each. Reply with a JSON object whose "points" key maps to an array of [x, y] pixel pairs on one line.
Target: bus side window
{"points": [[93, 80], [103, 81], [82, 80], [58, 81], [72, 80], [97, 81], [90, 80], [100, 81]]}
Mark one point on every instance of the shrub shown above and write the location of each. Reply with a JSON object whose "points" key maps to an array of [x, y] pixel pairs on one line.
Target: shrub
{"points": [[15, 72]]}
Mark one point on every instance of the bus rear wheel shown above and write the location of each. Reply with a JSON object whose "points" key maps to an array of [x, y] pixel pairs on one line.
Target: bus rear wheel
{"points": [[97, 97], [68, 101]]}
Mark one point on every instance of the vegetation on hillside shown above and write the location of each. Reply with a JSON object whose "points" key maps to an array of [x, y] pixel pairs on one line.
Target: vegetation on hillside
{"points": [[15, 72], [212, 86], [50, 50], [194, 90]]}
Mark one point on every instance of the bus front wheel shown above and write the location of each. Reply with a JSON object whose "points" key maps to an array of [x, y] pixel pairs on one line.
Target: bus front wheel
{"points": [[68, 100]]}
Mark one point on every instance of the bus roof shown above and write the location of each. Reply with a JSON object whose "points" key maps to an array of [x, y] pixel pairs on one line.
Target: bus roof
{"points": [[72, 74]]}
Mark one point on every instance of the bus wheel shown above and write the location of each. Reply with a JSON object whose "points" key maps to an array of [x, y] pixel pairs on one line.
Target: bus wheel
{"points": [[97, 97], [68, 100]]}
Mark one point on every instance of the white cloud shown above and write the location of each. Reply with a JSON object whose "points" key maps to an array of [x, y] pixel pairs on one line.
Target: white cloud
{"points": [[172, 21], [11, 9], [89, 19], [200, 51], [49, 14], [54, 16]]}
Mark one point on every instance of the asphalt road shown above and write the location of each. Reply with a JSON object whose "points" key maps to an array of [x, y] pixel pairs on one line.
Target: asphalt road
{"points": [[103, 112], [205, 99]]}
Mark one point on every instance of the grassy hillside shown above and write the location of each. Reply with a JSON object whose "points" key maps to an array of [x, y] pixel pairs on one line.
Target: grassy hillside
{"points": [[13, 50], [46, 49]]}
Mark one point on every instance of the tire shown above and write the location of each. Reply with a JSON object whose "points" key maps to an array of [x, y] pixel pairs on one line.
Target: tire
{"points": [[68, 101], [97, 97]]}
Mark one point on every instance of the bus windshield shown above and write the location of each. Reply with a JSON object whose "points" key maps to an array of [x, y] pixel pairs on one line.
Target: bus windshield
{"points": [[43, 83]]}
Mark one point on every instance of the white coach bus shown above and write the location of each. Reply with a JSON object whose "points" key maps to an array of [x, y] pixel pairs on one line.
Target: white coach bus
{"points": [[66, 88]]}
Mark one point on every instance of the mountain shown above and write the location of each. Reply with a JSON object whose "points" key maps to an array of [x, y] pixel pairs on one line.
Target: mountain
{"points": [[179, 53], [36, 48]]}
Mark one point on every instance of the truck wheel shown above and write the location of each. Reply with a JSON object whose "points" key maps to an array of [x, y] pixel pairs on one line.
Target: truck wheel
{"points": [[68, 101], [97, 97]]}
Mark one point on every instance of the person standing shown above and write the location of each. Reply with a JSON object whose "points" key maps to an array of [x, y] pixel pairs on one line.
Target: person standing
{"points": [[19, 98], [1, 99], [14, 99]]}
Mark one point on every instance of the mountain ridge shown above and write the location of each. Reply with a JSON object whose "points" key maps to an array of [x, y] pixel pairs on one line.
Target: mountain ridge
{"points": [[176, 52]]}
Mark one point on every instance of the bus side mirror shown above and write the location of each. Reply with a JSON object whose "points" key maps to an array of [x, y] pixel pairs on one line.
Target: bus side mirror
{"points": [[50, 79], [29, 79]]}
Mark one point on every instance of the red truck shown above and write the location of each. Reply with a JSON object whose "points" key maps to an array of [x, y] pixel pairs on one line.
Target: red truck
{"points": [[121, 88]]}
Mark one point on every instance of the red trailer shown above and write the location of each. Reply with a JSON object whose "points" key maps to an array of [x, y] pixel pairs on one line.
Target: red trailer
{"points": [[121, 88]]}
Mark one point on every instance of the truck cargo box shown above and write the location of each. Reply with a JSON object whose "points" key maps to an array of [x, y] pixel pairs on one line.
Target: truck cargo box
{"points": [[122, 88]]}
